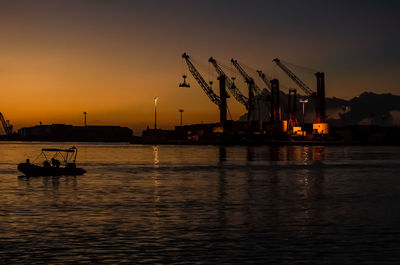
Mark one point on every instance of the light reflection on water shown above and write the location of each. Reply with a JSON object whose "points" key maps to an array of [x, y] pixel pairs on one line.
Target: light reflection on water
{"points": [[203, 204]]}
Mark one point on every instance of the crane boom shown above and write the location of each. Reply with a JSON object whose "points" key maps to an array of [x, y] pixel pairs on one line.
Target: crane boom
{"points": [[207, 89], [292, 76], [246, 77], [232, 88], [7, 128], [264, 79]]}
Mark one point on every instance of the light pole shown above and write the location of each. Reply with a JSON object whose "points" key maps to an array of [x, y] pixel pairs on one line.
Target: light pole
{"points": [[303, 101], [181, 111], [84, 114], [155, 112]]}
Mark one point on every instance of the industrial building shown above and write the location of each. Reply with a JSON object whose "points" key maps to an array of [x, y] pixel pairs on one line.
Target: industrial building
{"points": [[63, 132]]}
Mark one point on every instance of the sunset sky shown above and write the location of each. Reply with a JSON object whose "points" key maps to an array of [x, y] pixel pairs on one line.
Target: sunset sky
{"points": [[111, 58]]}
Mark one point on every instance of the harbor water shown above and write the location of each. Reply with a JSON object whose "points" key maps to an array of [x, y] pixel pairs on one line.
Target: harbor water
{"points": [[203, 205]]}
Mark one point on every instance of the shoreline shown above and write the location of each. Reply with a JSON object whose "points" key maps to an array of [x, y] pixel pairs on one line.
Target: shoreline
{"points": [[218, 143]]}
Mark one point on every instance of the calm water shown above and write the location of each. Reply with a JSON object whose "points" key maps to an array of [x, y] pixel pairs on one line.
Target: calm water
{"points": [[204, 205]]}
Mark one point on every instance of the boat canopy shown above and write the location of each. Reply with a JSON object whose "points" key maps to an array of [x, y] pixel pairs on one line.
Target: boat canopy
{"points": [[67, 155], [70, 150]]}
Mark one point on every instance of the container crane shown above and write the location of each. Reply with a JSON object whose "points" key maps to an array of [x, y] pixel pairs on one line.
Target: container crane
{"points": [[321, 127], [308, 91], [220, 100], [264, 79], [231, 85], [203, 84], [252, 87], [245, 76], [8, 128]]}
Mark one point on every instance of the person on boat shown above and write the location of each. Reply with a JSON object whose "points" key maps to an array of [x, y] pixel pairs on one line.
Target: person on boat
{"points": [[46, 164], [55, 163]]}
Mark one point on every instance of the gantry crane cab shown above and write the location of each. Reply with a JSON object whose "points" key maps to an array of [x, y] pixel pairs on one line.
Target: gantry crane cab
{"points": [[184, 84]]}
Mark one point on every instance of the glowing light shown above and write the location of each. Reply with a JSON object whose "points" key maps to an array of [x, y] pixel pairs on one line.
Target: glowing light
{"points": [[155, 153]]}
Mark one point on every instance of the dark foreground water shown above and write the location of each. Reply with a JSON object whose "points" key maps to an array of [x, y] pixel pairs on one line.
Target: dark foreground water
{"points": [[204, 205]]}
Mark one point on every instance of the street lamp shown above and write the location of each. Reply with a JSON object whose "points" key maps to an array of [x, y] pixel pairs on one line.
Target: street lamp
{"points": [[303, 101], [181, 111], [84, 113], [155, 112]]}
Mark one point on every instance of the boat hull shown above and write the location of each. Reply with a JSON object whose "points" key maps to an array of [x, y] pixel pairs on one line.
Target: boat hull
{"points": [[34, 170]]}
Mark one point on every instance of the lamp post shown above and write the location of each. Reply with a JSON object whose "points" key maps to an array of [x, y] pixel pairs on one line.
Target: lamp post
{"points": [[84, 114], [181, 111], [303, 101], [155, 112]]}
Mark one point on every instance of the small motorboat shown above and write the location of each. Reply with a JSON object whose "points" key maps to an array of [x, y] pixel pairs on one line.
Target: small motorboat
{"points": [[51, 165]]}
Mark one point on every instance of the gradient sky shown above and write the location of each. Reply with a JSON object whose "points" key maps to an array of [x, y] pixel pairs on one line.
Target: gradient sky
{"points": [[110, 58]]}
